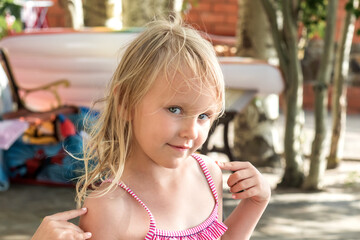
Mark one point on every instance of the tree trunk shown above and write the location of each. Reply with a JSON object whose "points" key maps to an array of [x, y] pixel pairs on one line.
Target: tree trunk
{"points": [[338, 107], [102, 13], [293, 175], [285, 40], [254, 127], [253, 38], [136, 13], [318, 154], [74, 16]]}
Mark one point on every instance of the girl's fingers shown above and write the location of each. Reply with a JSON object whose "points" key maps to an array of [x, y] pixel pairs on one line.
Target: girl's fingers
{"points": [[87, 235], [243, 185], [238, 176], [67, 215], [69, 234], [70, 226], [56, 226], [233, 166], [83, 236], [246, 181], [248, 193]]}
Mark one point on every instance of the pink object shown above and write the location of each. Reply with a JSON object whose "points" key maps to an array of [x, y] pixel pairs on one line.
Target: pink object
{"points": [[10, 130], [210, 229]]}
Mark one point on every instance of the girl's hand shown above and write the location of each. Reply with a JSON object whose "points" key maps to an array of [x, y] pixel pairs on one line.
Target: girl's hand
{"points": [[246, 182], [57, 227]]}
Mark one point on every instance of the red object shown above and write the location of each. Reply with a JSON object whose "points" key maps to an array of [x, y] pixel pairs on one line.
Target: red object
{"points": [[35, 163], [67, 128]]}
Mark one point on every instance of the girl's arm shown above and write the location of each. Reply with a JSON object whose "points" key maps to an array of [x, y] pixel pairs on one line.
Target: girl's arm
{"points": [[247, 184]]}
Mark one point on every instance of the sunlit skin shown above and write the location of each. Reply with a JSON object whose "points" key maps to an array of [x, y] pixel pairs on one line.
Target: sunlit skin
{"points": [[168, 125], [171, 123]]}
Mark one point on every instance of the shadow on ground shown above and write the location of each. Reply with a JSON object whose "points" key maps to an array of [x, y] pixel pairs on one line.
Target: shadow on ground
{"points": [[331, 214]]}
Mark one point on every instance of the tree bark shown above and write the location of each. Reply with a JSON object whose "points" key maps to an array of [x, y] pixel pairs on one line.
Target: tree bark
{"points": [[253, 37], [338, 107], [102, 13], [254, 126], [294, 173], [285, 40], [74, 16], [318, 151], [136, 13]]}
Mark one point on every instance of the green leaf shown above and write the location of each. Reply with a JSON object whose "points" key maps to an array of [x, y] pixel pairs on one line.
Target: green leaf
{"points": [[9, 7], [349, 5], [356, 13]]}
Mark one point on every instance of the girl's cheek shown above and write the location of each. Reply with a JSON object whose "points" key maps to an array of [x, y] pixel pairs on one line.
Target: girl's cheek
{"points": [[204, 134]]}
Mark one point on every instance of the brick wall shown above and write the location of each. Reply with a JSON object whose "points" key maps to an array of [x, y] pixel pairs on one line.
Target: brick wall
{"points": [[352, 97], [219, 17], [214, 16], [55, 15], [341, 16]]}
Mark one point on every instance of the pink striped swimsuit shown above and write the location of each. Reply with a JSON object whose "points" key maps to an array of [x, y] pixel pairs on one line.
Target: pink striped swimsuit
{"points": [[210, 229]]}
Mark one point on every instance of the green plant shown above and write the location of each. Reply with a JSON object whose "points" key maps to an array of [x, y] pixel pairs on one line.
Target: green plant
{"points": [[9, 17]]}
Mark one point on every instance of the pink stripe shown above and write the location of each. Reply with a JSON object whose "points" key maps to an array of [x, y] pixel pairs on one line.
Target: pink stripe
{"points": [[210, 229], [152, 226]]}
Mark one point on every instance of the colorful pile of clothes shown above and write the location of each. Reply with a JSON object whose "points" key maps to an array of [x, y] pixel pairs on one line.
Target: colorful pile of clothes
{"points": [[47, 152]]}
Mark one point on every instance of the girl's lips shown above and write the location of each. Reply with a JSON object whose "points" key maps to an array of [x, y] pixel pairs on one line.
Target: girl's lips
{"points": [[180, 147]]}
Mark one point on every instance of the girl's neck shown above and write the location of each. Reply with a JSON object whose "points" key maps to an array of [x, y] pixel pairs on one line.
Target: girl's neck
{"points": [[137, 168]]}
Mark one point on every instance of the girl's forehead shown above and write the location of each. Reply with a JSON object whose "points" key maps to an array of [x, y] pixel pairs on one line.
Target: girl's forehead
{"points": [[189, 93], [181, 85]]}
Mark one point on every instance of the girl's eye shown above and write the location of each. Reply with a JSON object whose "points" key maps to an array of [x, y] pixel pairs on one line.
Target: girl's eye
{"points": [[175, 110], [204, 116]]}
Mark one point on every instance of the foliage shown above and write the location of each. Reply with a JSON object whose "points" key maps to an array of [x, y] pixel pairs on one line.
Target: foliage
{"points": [[313, 16], [350, 7], [356, 11], [9, 17]]}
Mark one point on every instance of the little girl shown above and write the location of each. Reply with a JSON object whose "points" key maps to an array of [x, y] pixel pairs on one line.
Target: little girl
{"points": [[146, 180]]}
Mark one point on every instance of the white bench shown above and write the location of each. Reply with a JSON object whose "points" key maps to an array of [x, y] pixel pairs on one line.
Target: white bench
{"points": [[88, 59]]}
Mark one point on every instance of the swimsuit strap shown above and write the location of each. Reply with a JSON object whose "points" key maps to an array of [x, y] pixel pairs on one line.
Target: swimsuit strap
{"points": [[152, 227], [207, 175]]}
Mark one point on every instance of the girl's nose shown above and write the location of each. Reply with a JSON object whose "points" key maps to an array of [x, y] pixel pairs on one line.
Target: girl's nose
{"points": [[189, 128]]}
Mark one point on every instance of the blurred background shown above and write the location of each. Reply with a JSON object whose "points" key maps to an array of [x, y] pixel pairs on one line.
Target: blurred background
{"points": [[292, 71]]}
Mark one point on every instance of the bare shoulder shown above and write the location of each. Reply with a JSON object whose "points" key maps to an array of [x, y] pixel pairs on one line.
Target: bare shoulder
{"points": [[108, 215], [217, 177], [214, 169]]}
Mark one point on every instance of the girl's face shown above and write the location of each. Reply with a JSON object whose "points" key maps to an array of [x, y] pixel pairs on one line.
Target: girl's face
{"points": [[172, 122]]}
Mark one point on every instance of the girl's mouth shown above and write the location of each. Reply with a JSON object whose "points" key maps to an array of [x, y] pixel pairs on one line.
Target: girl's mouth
{"points": [[180, 147]]}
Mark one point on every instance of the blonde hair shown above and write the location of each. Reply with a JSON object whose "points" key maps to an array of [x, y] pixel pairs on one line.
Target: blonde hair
{"points": [[164, 48]]}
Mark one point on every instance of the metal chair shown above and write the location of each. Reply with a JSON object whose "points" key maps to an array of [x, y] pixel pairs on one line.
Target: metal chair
{"points": [[19, 94], [246, 78]]}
